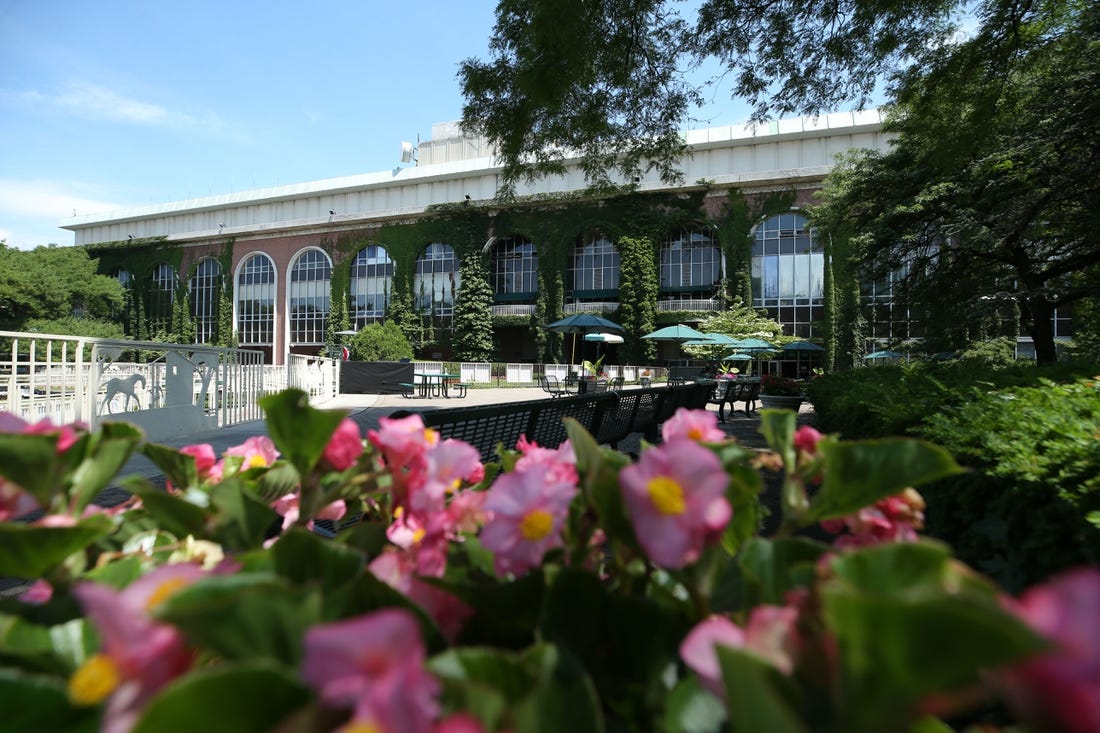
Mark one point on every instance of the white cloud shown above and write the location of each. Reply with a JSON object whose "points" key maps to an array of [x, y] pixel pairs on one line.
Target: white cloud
{"points": [[31, 212]]}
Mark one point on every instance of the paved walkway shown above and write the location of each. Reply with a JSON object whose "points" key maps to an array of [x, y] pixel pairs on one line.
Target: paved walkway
{"points": [[366, 409]]}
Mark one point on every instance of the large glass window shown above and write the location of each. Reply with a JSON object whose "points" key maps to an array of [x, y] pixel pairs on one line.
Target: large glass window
{"points": [[256, 301], [206, 287], [371, 285], [309, 295], [594, 268], [515, 267], [788, 273], [690, 261], [162, 290], [437, 280]]}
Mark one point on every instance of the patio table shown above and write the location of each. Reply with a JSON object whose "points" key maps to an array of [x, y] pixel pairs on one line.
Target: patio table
{"points": [[435, 385]]}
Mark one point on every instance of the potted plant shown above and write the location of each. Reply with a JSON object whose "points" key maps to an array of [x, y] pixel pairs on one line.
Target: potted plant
{"points": [[589, 371], [778, 392]]}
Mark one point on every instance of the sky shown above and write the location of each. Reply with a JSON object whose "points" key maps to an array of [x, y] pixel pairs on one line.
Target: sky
{"points": [[122, 103]]}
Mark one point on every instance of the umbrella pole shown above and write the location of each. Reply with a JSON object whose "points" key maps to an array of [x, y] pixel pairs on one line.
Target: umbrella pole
{"points": [[573, 357]]}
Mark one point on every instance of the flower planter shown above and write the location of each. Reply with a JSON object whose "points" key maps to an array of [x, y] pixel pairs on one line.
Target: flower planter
{"points": [[780, 402]]}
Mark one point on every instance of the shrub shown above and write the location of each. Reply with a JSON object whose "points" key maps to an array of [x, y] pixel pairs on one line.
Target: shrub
{"points": [[380, 342]]}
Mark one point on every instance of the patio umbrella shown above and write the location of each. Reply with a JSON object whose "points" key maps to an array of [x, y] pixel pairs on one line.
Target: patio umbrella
{"points": [[887, 354], [678, 334], [712, 339], [754, 344], [581, 323], [736, 357], [798, 347], [604, 338]]}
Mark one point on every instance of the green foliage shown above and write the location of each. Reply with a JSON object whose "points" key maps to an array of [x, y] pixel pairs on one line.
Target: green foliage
{"points": [[473, 312], [638, 288], [1022, 516], [380, 342], [53, 284], [73, 326]]}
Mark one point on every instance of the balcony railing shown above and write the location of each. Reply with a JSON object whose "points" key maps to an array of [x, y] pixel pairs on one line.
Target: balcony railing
{"points": [[595, 307], [696, 304], [513, 309]]}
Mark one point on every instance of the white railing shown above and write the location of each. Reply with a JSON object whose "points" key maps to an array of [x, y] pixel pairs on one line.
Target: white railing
{"points": [[605, 307], [319, 376], [688, 305], [523, 373], [165, 389], [513, 309]]}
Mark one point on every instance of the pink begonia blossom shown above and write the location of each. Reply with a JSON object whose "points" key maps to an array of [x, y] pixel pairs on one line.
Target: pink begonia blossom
{"points": [[675, 494], [15, 502], [375, 665], [459, 723], [1060, 690], [447, 464], [344, 447], [37, 593], [697, 425], [139, 655], [562, 461], [527, 511], [806, 439], [397, 569], [769, 635], [404, 443], [258, 452], [893, 519], [289, 507], [205, 458]]}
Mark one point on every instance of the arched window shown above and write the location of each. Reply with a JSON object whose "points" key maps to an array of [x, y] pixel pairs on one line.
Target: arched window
{"points": [[594, 268], [310, 290], [205, 290], [162, 290], [371, 285], [690, 261], [515, 266], [437, 280], [788, 272], [256, 301]]}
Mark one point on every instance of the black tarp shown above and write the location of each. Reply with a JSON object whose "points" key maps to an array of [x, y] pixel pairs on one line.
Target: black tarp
{"points": [[374, 377]]}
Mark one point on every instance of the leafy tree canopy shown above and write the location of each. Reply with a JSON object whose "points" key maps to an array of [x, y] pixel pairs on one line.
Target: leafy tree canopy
{"points": [[53, 283], [989, 195], [738, 321], [473, 320], [380, 342], [609, 79]]}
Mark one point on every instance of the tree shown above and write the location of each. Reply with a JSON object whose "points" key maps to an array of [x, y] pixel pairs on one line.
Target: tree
{"points": [[608, 79], [738, 321], [989, 195], [473, 318], [380, 342], [55, 284], [638, 287]]}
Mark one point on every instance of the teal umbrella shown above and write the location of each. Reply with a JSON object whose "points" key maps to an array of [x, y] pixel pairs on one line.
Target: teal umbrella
{"points": [[678, 333], [754, 344], [581, 323], [736, 357], [887, 354]]}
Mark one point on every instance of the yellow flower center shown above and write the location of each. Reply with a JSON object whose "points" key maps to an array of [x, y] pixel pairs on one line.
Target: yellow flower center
{"points": [[431, 437], [695, 433], [255, 461], [667, 495], [361, 726], [536, 525], [418, 534], [163, 592], [94, 681]]}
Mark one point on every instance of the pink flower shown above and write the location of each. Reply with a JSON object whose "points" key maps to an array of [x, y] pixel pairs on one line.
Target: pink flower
{"points": [[769, 635], [140, 655], [806, 440], [374, 664], [397, 569], [205, 458], [258, 452], [289, 508], [697, 425], [893, 519], [15, 501], [404, 443], [562, 461], [459, 723], [675, 494], [1060, 689], [447, 465], [527, 511], [39, 592], [344, 447]]}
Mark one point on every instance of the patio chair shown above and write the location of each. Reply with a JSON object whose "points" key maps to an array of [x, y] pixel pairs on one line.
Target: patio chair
{"points": [[550, 384]]}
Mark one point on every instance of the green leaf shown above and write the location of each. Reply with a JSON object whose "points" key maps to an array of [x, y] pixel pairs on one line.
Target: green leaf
{"points": [[563, 697], [777, 427], [174, 513], [691, 709], [178, 468], [243, 521], [251, 698], [859, 473], [304, 558], [107, 452], [755, 697], [29, 552], [773, 567], [299, 431], [244, 616], [482, 680], [32, 462], [34, 703]]}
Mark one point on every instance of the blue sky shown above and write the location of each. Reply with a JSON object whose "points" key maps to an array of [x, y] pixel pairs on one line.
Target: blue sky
{"points": [[117, 103]]}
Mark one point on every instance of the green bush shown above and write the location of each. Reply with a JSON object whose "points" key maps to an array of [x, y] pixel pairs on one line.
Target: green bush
{"points": [[1025, 511], [380, 342]]}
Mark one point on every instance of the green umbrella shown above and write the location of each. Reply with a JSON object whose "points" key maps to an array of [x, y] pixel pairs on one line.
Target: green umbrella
{"points": [[581, 323]]}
